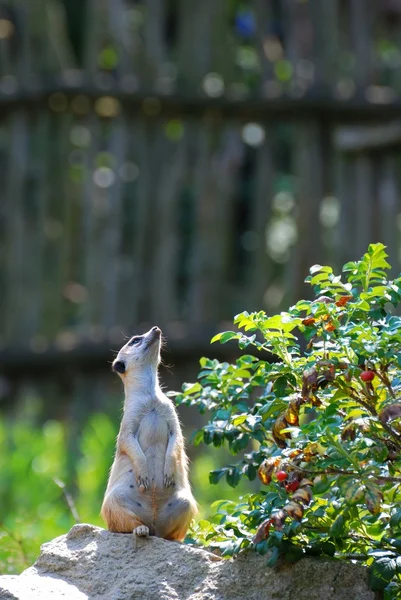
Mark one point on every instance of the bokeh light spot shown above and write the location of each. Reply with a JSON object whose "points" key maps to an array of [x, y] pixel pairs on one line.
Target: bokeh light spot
{"points": [[108, 58], [213, 85], [272, 48], [329, 211], [174, 130], [80, 136], [253, 134], [75, 292], [283, 202], [107, 106], [104, 177], [281, 234], [283, 70], [6, 29]]}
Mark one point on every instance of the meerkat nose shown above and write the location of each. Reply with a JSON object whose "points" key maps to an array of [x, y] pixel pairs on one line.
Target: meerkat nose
{"points": [[156, 329], [119, 366]]}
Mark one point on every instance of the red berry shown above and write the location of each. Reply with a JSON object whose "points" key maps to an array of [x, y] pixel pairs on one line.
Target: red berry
{"points": [[292, 487], [367, 375], [281, 475]]}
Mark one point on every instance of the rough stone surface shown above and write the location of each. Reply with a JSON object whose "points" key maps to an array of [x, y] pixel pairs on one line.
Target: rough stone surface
{"points": [[90, 562]]}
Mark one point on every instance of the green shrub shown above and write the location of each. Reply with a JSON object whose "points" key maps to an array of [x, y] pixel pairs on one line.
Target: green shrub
{"points": [[319, 419]]}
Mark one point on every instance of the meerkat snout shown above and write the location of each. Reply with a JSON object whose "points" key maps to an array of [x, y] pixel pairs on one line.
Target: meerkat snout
{"points": [[118, 366]]}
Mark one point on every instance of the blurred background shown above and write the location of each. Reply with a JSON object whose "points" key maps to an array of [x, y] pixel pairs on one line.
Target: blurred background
{"points": [[173, 163]]}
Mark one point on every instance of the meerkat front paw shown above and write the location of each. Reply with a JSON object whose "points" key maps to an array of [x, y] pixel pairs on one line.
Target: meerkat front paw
{"points": [[143, 483], [168, 480]]}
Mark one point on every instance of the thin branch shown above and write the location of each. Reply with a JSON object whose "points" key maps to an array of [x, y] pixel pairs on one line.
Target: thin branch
{"points": [[384, 379], [333, 471], [69, 499]]}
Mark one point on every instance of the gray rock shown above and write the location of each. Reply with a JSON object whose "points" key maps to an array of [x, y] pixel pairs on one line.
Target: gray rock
{"points": [[90, 562]]}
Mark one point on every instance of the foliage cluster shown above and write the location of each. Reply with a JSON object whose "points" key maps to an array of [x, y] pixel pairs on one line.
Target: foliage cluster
{"points": [[317, 420]]}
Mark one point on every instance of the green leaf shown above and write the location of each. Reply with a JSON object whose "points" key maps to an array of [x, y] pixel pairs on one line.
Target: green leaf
{"points": [[322, 485], [197, 437], [251, 472], [215, 476], [373, 498], [280, 386], [191, 388], [354, 492], [273, 558], [318, 268], [338, 527], [381, 573], [328, 548], [239, 420], [262, 548], [225, 337], [233, 476], [395, 520]]}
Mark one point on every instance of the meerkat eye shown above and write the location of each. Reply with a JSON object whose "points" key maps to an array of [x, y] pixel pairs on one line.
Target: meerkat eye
{"points": [[135, 341]]}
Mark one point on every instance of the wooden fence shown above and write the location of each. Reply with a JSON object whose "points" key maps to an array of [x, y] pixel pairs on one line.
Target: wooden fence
{"points": [[175, 162]]}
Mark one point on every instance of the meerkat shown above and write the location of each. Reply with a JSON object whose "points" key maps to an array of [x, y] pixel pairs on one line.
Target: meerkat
{"points": [[148, 491]]}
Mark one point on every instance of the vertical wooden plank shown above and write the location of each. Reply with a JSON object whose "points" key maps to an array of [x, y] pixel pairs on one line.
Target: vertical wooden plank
{"points": [[57, 226], [68, 182], [325, 21], [34, 226], [364, 199], [15, 190], [58, 48], [164, 305], [23, 67], [194, 32], [119, 18], [308, 170], [155, 43], [4, 152], [91, 309], [264, 19], [145, 217], [361, 16], [96, 18], [389, 208], [260, 268], [345, 191], [130, 209], [290, 15], [217, 167], [112, 232]]}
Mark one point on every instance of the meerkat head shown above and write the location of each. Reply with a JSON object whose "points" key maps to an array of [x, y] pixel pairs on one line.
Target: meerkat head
{"points": [[142, 351]]}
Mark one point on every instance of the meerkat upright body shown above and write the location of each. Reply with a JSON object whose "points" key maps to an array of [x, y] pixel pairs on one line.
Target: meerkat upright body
{"points": [[148, 490]]}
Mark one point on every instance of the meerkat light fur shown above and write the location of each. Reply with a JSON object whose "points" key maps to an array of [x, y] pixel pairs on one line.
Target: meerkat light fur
{"points": [[148, 491]]}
